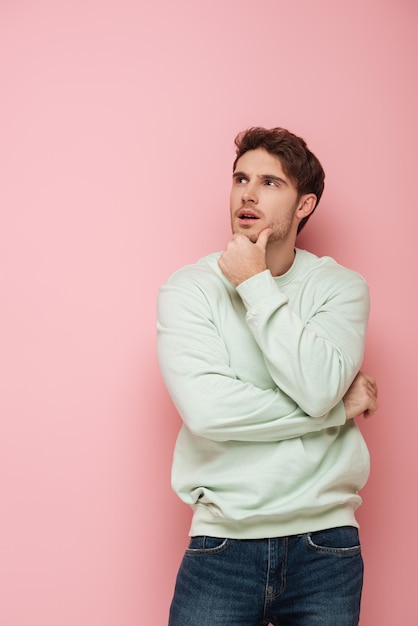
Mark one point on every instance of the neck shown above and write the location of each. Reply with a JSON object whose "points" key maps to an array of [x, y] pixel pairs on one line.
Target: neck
{"points": [[280, 256]]}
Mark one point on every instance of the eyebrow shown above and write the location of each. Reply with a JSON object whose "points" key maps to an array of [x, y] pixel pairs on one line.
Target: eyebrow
{"points": [[277, 179]]}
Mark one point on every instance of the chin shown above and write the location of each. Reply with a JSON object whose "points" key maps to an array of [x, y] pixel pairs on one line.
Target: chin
{"points": [[251, 235]]}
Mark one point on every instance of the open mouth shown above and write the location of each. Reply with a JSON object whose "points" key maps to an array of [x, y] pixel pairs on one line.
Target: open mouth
{"points": [[245, 214]]}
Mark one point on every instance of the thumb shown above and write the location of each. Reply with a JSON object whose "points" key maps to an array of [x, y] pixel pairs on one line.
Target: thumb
{"points": [[263, 238]]}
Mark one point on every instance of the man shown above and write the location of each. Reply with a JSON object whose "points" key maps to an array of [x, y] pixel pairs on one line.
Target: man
{"points": [[260, 348]]}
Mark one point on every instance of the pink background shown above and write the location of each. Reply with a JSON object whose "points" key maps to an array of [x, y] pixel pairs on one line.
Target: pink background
{"points": [[118, 119]]}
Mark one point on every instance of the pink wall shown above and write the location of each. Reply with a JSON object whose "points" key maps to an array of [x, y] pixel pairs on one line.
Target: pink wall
{"points": [[118, 118]]}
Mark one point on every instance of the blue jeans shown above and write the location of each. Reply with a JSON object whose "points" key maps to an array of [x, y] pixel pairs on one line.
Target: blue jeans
{"points": [[314, 579]]}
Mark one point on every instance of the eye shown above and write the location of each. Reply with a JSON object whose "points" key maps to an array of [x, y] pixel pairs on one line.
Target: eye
{"points": [[270, 183], [240, 180]]}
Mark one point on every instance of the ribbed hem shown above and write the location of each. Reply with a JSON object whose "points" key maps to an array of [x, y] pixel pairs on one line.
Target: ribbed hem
{"points": [[204, 523]]}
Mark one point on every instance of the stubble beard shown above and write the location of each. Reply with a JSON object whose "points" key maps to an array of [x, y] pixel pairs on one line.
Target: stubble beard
{"points": [[281, 228]]}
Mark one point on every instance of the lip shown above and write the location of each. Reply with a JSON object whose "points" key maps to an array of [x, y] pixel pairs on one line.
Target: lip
{"points": [[247, 215]]}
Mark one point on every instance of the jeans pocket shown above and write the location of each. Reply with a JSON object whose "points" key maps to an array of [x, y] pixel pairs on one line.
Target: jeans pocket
{"points": [[343, 540], [202, 544]]}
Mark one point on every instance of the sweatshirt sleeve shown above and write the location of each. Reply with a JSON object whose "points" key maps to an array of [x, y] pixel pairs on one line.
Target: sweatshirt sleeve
{"points": [[209, 397], [315, 359]]}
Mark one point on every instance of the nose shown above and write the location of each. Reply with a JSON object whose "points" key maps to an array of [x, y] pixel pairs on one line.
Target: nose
{"points": [[249, 193]]}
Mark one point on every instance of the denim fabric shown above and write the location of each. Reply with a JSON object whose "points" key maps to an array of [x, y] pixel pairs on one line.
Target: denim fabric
{"points": [[314, 579]]}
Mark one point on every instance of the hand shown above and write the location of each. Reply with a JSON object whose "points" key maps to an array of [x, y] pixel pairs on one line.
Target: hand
{"points": [[243, 258], [361, 397]]}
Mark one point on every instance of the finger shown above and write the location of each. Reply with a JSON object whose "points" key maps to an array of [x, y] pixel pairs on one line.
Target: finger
{"points": [[371, 382], [371, 379], [372, 388], [371, 410], [263, 238]]}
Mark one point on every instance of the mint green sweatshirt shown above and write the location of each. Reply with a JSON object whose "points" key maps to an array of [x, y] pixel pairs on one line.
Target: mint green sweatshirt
{"points": [[257, 374]]}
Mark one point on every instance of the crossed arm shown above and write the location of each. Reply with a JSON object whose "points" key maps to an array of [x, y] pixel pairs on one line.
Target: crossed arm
{"points": [[244, 259], [212, 401]]}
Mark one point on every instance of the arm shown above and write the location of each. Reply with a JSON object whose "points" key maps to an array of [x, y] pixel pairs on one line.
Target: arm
{"points": [[313, 360], [211, 400], [312, 356]]}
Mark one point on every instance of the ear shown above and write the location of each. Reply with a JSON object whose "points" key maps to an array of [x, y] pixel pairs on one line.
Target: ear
{"points": [[306, 205]]}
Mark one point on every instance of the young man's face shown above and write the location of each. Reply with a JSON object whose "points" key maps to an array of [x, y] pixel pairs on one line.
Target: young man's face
{"points": [[262, 196]]}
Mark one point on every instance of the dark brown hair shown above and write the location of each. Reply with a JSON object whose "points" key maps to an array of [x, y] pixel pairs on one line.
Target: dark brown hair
{"points": [[298, 162]]}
